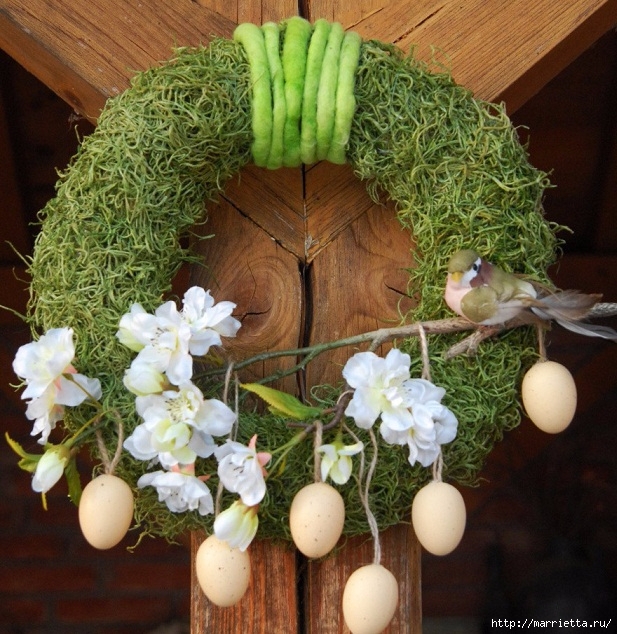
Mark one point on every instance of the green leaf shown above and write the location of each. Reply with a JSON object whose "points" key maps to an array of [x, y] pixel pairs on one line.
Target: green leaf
{"points": [[73, 480], [28, 461], [283, 403]]}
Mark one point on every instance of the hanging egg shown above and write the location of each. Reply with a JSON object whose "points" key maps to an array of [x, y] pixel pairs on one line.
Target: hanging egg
{"points": [[370, 599], [223, 572], [549, 396], [438, 516], [105, 511], [316, 519]]}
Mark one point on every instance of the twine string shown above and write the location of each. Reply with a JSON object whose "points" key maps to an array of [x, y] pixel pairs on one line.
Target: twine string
{"points": [[110, 465], [541, 330], [438, 467], [426, 363], [317, 440], [234, 429]]}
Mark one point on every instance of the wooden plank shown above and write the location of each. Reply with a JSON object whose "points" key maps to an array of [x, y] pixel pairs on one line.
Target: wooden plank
{"points": [[274, 201], [358, 280], [86, 50], [269, 604], [248, 267], [401, 555], [256, 11], [358, 283], [503, 50], [334, 199]]}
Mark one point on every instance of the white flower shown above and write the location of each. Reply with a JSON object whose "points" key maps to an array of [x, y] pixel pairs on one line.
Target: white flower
{"points": [[41, 363], [180, 491], [178, 426], [168, 350], [433, 424], [167, 339], [237, 525], [241, 470], [336, 460], [142, 379], [50, 468], [378, 388], [410, 409], [208, 321], [45, 413], [137, 328], [51, 380], [161, 340]]}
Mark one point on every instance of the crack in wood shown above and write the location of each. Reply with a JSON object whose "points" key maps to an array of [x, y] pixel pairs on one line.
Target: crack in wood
{"points": [[422, 22]]}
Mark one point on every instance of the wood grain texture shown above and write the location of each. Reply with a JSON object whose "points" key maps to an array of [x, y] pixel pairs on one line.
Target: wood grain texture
{"points": [[358, 282], [269, 604], [503, 50], [86, 50], [246, 266], [401, 556]]}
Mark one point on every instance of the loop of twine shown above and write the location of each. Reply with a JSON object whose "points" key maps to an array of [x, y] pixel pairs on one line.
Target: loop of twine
{"points": [[438, 467], [110, 465], [364, 493]]}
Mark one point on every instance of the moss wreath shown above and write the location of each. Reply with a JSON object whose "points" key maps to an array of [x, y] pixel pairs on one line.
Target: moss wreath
{"points": [[287, 94]]}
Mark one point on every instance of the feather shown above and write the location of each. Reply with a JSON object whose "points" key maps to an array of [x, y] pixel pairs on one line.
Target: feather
{"points": [[566, 305], [589, 330], [568, 308]]}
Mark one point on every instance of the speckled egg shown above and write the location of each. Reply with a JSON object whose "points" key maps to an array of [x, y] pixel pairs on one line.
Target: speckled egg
{"points": [[105, 511], [316, 519], [438, 516], [223, 572], [549, 396], [370, 599]]}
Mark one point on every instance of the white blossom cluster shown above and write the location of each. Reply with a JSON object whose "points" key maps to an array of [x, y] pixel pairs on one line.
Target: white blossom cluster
{"points": [[410, 410], [179, 423], [52, 384]]}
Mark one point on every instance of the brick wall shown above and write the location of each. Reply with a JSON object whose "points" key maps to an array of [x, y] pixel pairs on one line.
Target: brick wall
{"points": [[52, 580]]}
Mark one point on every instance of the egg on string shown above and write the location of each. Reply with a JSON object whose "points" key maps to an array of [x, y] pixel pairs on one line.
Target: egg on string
{"points": [[105, 511], [316, 519], [223, 572], [439, 516], [549, 396], [370, 598]]}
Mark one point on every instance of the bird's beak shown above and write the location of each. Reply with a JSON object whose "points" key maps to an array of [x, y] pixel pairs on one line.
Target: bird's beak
{"points": [[456, 276]]}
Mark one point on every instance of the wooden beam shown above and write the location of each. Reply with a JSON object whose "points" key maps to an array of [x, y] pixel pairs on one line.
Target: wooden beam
{"points": [[87, 50]]}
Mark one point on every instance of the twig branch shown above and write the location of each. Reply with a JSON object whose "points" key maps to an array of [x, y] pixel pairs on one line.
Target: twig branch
{"points": [[385, 335]]}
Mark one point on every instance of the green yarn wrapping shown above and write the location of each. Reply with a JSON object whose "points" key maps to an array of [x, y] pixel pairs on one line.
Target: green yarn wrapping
{"points": [[453, 165]]}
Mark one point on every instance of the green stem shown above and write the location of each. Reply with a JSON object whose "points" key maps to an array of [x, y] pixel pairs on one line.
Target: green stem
{"points": [[286, 448]]}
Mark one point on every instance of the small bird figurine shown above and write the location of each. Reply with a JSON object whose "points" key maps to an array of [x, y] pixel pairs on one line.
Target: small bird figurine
{"points": [[487, 295]]}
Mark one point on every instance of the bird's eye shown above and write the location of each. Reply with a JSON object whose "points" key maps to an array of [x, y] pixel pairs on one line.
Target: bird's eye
{"points": [[475, 267]]}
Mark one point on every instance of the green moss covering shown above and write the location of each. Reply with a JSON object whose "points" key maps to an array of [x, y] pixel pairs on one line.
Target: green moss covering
{"points": [[453, 165]]}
